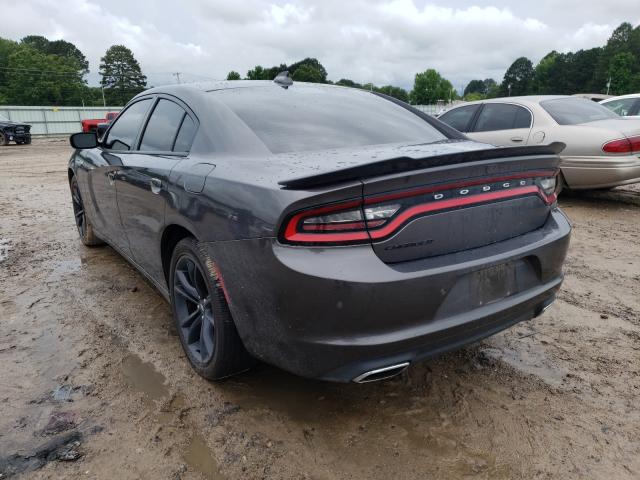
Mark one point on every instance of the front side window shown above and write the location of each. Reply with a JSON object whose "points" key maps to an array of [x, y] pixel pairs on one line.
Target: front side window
{"points": [[126, 127], [162, 128], [621, 107], [502, 116], [574, 111], [460, 117]]}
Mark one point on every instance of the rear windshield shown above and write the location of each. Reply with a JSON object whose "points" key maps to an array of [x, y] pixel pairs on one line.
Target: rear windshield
{"points": [[573, 111], [304, 118]]}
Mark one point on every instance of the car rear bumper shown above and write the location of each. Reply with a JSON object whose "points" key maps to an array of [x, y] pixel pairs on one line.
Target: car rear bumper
{"points": [[335, 313], [600, 171]]}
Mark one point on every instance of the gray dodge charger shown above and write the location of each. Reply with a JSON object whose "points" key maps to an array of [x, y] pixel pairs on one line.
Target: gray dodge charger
{"points": [[335, 233]]}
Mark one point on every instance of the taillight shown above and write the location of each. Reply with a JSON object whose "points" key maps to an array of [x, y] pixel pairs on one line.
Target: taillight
{"points": [[622, 145], [379, 217]]}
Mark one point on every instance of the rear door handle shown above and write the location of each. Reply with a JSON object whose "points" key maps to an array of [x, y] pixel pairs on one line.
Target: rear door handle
{"points": [[517, 139], [156, 185]]}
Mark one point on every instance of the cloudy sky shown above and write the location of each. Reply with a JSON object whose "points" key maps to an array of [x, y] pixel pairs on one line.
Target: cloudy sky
{"points": [[383, 41]]}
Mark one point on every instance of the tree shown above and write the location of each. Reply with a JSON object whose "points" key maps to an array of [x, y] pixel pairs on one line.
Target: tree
{"points": [[35, 78], [307, 73], [475, 86], [518, 77], [622, 72], [491, 87], [395, 92], [61, 48], [122, 77], [345, 82], [429, 87], [256, 73], [233, 75], [320, 74]]}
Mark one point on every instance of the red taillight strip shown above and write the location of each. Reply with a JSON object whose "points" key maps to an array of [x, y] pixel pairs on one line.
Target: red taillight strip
{"points": [[437, 188], [451, 203], [291, 229]]}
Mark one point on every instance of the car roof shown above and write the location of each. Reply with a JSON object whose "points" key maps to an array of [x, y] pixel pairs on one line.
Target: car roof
{"points": [[525, 100], [214, 86]]}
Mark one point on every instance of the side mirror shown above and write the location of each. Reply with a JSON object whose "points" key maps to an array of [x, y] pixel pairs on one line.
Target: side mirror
{"points": [[101, 129], [83, 140]]}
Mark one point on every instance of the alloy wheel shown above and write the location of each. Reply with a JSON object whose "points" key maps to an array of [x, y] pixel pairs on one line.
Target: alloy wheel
{"points": [[192, 301], [78, 209]]}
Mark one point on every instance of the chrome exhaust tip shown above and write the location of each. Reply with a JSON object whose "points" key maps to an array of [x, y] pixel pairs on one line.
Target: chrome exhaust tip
{"points": [[381, 373]]}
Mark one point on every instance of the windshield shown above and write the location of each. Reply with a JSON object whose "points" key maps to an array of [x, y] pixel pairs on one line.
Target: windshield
{"points": [[574, 111], [304, 118]]}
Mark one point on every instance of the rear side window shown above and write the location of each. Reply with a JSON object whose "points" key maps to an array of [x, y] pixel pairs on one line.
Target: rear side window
{"points": [[574, 111], [459, 118], [622, 106], [306, 117], [185, 135], [502, 116], [126, 126], [162, 128]]}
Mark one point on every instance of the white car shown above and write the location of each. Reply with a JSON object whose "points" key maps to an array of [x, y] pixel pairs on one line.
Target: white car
{"points": [[624, 105], [602, 149]]}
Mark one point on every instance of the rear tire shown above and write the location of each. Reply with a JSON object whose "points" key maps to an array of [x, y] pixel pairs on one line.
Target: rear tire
{"points": [[83, 223], [206, 329]]}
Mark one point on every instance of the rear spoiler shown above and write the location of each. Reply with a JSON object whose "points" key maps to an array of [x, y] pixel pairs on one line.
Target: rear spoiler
{"points": [[406, 164]]}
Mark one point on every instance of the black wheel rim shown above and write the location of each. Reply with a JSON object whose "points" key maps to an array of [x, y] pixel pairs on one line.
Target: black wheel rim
{"points": [[192, 301], [78, 209]]}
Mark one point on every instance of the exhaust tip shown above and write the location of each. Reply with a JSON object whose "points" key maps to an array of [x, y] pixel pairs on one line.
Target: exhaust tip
{"points": [[381, 373]]}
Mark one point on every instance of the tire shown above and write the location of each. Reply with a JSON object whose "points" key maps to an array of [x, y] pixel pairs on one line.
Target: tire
{"points": [[27, 141], [201, 314], [3, 139], [83, 223]]}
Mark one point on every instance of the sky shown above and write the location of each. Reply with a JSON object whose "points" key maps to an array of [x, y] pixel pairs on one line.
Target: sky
{"points": [[379, 41]]}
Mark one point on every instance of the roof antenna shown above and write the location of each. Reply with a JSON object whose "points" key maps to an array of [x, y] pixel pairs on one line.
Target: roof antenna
{"points": [[283, 79]]}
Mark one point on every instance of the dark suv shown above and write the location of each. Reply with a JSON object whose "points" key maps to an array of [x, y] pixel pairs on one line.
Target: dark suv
{"points": [[14, 132]]}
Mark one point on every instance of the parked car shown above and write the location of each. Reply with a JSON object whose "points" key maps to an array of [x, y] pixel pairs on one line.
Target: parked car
{"points": [[624, 105], [602, 149], [14, 132], [91, 124], [333, 232]]}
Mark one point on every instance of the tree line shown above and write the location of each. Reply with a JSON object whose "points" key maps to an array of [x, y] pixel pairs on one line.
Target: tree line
{"points": [[37, 71], [613, 68]]}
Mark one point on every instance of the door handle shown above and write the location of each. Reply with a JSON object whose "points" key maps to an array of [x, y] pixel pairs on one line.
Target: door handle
{"points": [[517, 139], [112, 177], [156, 185]]}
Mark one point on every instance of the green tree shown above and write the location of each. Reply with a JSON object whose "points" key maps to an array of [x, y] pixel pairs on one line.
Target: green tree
{"points": [[233, 75], [35, 78], [122, 77], [622, 72], [475, 86], [491, 87], [320, 74], [61, 48], [256, 73], [307, 73], [345, 82], [518, 78], [395, 92], [429, 87]]}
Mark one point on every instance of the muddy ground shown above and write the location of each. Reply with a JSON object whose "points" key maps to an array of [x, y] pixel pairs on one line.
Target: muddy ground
{"points": [[94, 384]]}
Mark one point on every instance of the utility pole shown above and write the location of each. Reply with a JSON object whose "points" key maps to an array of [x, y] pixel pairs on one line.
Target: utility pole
{"points": [[608, 85], [177, 75]]}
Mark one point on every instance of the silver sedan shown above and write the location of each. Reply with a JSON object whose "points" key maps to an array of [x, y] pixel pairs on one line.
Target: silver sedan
{"points": [[603, 149]]}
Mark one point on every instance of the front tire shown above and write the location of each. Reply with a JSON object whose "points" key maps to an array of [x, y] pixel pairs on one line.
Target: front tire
{"points": [[206, 329], [85, 228], [4, 140]]}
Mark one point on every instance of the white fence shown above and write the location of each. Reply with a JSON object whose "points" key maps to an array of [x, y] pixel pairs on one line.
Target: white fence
{"points": [[54, 120]]}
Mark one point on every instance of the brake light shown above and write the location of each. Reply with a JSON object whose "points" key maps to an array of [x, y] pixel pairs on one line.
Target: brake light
{"points": [[379, 217], [622, 145]]}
